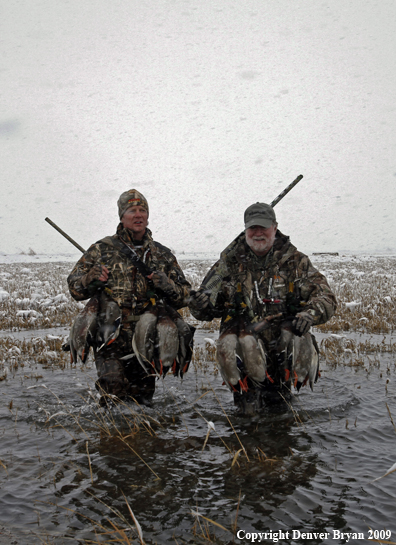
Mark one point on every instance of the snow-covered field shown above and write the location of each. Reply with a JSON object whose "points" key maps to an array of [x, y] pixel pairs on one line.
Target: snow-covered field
{"points": [[34, 296], [34, 293]]}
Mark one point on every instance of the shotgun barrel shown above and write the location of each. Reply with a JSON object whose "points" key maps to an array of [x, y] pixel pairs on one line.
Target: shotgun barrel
{"points": [[65, 235], [286, 191]]}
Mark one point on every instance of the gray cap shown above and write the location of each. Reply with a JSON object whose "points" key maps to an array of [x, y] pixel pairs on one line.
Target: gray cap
{"points": [[259, 214]]}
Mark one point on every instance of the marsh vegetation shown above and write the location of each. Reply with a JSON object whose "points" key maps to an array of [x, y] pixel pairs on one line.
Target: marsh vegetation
{"points": [[188, 470]]}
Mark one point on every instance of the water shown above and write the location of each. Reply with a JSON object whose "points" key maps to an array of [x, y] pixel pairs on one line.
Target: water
{"points": [[309, 466]]}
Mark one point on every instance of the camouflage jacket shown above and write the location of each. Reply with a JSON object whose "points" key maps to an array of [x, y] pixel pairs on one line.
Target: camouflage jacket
{"points": [[282, 281], [129, 287]]}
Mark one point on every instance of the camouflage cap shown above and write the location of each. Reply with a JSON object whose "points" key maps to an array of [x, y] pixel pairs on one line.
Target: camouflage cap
{"points": [[259, 214], [131, 198]]}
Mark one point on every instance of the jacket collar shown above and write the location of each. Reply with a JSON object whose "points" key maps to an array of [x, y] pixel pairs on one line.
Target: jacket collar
{"points": [[280, 252], [127, 236]]}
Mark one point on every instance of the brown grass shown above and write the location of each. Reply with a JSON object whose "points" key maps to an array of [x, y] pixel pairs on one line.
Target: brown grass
{"points": [[367, 282], [38, 296]]}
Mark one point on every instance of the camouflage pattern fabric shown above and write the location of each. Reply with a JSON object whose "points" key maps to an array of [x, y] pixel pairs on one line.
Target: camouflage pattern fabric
{"points": [[128, 286], [131, 198], [123, 377], [133, 292], [246, 285]]}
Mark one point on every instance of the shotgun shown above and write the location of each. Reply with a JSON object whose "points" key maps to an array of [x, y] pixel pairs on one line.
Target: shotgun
{"points": [[65, 235], [286, 191], [213, 281], [122, 247]]}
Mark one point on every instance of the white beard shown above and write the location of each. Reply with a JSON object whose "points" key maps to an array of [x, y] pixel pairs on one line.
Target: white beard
{"points": [[259, 247]]}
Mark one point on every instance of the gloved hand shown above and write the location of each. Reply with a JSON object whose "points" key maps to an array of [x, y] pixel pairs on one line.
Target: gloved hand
{"points": [[301, 323], [163, 283], [97, 272], [200, 301]]}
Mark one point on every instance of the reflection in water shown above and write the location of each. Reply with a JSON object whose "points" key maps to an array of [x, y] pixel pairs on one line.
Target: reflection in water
{"points": [[277, 461]]}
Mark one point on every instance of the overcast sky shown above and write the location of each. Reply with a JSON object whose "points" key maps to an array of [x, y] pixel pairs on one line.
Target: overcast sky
{"points": [[205, 106]]}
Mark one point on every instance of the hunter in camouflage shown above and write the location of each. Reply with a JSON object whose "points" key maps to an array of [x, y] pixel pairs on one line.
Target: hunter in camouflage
{"points": [[107, 267], [262, 288]]}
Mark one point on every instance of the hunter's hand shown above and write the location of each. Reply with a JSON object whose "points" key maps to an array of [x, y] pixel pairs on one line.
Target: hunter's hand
{"points": [[200, 301], [97, 272], [162, 282], [301, 323]]}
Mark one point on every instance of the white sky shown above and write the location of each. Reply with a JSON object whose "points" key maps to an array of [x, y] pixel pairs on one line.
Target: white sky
{"points": [[205, 106]]}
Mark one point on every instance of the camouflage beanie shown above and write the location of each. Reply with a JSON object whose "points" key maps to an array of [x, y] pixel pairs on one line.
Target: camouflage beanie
{"points": [[131, 198]]}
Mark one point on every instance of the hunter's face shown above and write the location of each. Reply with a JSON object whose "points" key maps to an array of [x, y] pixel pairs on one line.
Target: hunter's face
{"points": [[136, 220], [259, 239]]}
